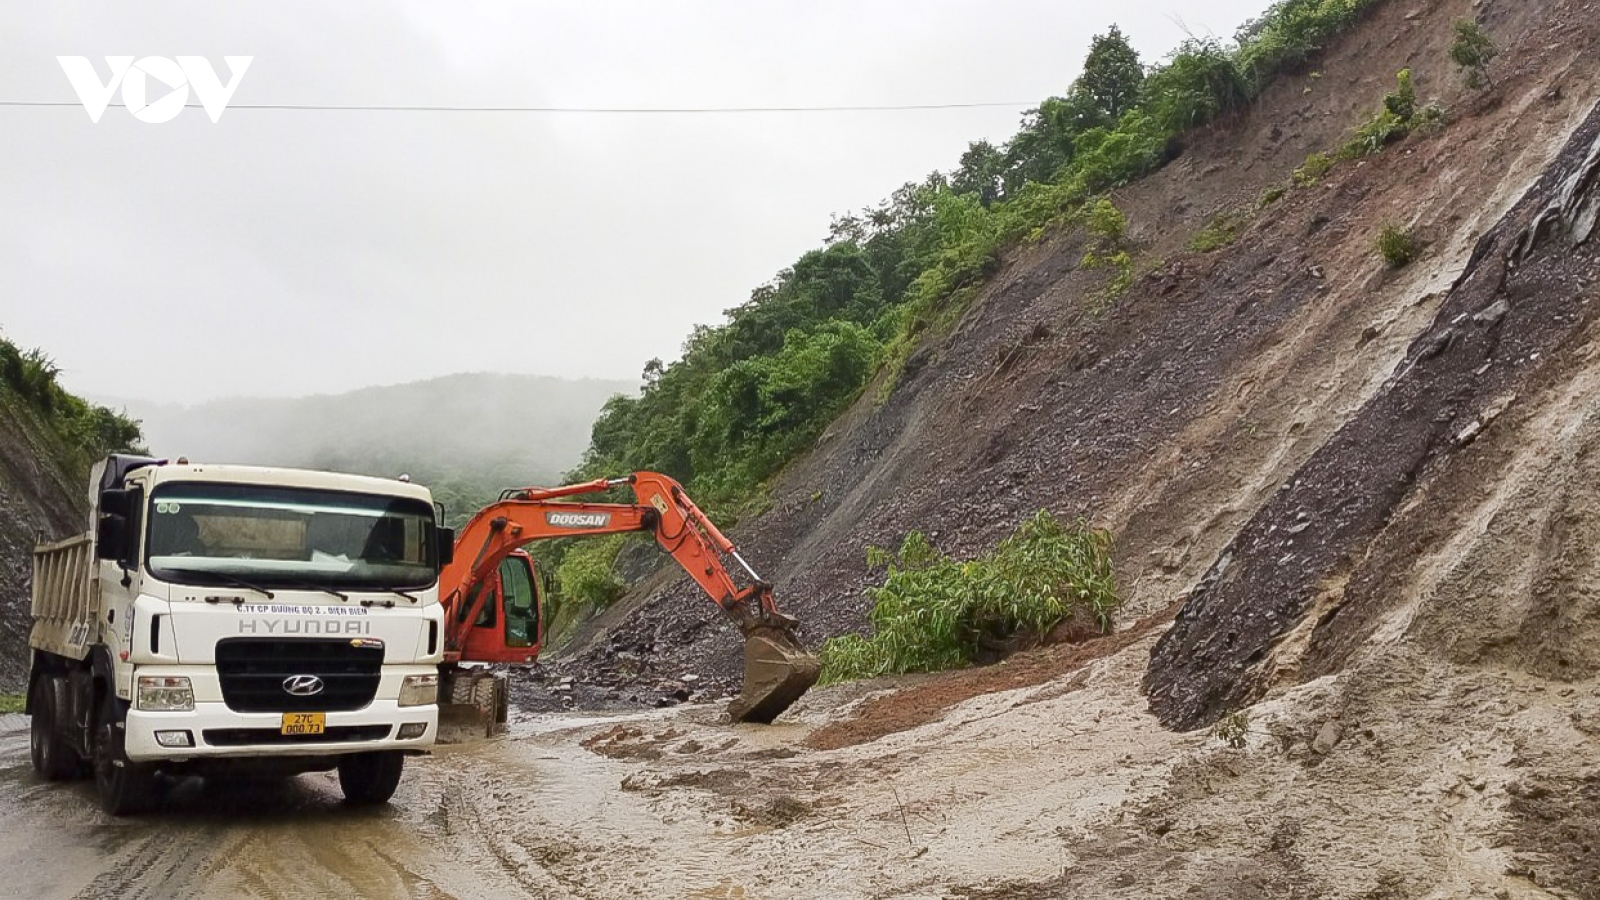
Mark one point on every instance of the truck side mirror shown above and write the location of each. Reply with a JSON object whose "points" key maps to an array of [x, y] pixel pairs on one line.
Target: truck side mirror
{"points": [[111, 539], [447, 546], [116, 502]]}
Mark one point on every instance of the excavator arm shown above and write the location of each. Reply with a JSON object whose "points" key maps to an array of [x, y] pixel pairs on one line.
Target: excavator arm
{"points": [[778, 670]]}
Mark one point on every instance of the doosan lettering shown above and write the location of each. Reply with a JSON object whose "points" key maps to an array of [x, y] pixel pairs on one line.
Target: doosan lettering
{"points": [[577, 520]]}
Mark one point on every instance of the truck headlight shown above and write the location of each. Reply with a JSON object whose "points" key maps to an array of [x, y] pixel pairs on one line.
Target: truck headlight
{"points": [[419, 690], [168, 693]]}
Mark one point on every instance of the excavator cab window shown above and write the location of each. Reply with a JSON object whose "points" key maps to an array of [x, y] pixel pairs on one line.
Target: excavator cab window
{"points": [[491, 602], [521, 602]]}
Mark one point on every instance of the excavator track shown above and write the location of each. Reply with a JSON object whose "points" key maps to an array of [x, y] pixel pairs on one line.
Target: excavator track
{"points": [[473, 703]]}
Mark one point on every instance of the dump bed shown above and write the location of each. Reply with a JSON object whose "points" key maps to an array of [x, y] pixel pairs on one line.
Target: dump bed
{"points": [[65, 596]]}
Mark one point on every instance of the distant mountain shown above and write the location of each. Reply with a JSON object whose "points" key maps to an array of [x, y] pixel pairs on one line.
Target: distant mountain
{"points": [[465, 435]]}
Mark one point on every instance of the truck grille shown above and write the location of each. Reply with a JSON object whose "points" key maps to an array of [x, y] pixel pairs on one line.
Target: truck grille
{"points": [[337, 734], [253, 672]]}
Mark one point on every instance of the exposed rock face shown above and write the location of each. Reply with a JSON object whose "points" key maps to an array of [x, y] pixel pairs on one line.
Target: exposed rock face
{"points": [[1511, 337]]}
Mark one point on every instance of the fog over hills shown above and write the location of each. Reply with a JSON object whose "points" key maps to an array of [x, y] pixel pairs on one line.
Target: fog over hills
{"points": [[481, 429]]}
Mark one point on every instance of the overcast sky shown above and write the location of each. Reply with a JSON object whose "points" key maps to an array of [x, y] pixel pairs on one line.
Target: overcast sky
{"points": [[283, 252]]}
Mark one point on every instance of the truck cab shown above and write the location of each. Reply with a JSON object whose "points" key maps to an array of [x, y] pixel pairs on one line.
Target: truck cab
{"points": [[238, 620]]}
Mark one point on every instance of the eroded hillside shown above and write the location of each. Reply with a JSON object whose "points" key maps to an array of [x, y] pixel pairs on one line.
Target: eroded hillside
{"points": [[1172, 413], [43, 496], [1361, 495]]}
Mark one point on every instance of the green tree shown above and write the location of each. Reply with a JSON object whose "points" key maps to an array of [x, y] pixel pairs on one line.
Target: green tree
{"points": [[1111, 81], [980, 173], [1043, 146], [1472, 51]]}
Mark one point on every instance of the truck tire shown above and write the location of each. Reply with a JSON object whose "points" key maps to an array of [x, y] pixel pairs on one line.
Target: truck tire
{"points": [[52, 758], [369, 779], [126, 788]]}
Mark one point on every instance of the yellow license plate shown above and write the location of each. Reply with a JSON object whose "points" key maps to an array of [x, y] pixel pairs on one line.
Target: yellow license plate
{"points": [[304, 723]]}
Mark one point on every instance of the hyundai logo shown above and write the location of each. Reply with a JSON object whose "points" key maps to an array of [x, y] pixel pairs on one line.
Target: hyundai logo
{"points": [[302, 685]]}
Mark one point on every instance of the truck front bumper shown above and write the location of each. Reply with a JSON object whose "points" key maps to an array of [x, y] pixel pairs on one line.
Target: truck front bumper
{"points": [[213, 731]]}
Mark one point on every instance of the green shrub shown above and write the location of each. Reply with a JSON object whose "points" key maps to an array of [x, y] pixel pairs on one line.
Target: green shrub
{"points": [[1313, 169], [1431, 119], [1472, 50], [1108, 158], [934, 613], [1120, 261], [11, 703], [1219, 232], [1233, 729], [1200, 82], [1105, 221], [1272, 194], [1389, 124], [1397, 246], [1293, 31], [1106, 226]]}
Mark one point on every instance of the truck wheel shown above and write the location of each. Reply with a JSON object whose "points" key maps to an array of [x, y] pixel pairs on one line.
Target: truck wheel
{"points": [[125, 787], [369, 779], [52, 758]]}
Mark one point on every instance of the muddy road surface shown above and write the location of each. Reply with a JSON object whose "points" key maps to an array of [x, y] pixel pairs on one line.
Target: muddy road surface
{"points": [[490, 820], [1045, 776], [664, 803], [282, 838]]}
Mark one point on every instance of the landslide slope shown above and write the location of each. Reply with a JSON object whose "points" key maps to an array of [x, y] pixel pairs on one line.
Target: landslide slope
{"points": [[43, 496], [1176, 412]]}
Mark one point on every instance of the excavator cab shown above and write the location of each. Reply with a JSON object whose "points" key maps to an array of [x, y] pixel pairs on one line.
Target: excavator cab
{"points": [[509, 626]]}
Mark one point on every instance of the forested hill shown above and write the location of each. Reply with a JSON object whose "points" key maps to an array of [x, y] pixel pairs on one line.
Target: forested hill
{"points": [[865, 311], [751, 393]]}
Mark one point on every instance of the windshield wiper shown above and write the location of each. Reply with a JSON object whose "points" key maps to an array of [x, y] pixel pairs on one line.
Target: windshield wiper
{"points": [[315, 587], [384, 587], [225, 578]]}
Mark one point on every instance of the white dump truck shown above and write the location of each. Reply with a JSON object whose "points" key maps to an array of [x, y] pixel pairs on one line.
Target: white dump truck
{"points": [[235, 620]]}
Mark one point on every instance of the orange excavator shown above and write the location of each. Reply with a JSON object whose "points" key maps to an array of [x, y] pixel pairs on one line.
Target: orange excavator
{"points": [[493, 595]]}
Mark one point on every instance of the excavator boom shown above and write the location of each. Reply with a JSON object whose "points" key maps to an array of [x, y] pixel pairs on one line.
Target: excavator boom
{"points": [[778, 669]]}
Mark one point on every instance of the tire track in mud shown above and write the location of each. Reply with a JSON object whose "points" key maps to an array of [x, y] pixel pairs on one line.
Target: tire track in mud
{"points": [[274, 840], [457, 805], [161, 865]]}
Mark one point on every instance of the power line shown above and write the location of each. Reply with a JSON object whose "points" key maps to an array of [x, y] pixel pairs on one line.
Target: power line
{"points": [[599, 110]]}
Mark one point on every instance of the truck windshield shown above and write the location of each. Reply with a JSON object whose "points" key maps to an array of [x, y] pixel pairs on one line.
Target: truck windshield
{"points": [[281, 536]]}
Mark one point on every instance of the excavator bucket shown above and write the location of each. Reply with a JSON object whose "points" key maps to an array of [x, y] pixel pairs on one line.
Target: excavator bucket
{"points": [[777, 671]]}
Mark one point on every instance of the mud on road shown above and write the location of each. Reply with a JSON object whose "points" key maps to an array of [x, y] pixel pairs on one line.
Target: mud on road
{"points": [[1406, 777], [670, 803]]}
